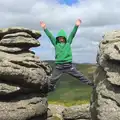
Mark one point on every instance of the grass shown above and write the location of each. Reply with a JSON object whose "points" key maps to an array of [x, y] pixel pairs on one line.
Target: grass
{"points": [[71, 95], [70, 103], [70, 91]]}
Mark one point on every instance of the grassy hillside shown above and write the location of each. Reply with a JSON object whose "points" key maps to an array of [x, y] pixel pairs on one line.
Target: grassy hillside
{"points": [[70, 90]]}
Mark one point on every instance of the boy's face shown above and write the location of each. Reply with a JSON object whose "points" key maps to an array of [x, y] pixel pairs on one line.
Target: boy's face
{"points": [[61, 39]]}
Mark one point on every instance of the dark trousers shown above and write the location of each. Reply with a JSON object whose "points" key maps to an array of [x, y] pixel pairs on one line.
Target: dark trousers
{"points": [[70, 69]]}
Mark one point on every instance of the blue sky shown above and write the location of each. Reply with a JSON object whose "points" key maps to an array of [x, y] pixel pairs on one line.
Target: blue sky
{"points": [[97, 18], [68, 2]]}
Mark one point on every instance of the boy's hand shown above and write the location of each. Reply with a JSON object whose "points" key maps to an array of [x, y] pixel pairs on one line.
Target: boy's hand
{"points": [[78, 22], [42, 24]]}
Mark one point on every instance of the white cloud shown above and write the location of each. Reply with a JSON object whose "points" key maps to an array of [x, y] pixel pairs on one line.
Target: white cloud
{"points": [[98, 16]]}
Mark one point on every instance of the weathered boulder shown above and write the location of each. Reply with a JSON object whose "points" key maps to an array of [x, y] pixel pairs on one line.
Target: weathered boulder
{"points": [[18, 62], [6, 31], [23, 107], [12, 49], [24, 79], [24, 70], [56, 110], [20, 41], [77, 112], [105, 101], [23, 34]]}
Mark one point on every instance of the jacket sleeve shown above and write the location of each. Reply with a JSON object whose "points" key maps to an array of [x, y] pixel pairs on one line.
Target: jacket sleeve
{"points": [[72, 34], [51, 37]]}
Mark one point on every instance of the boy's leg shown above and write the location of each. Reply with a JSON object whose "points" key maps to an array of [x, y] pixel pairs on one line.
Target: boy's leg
{"points": [[54, 78], [75, 73]]}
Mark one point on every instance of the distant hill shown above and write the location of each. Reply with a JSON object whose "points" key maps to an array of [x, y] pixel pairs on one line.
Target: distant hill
{"points": [[69, 89]]}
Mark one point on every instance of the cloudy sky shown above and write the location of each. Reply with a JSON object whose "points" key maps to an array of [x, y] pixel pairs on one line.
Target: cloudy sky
{"points": [[98, 17]]}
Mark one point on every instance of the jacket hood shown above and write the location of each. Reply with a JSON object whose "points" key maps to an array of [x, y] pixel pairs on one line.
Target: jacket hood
{"points": [[62, 33]]}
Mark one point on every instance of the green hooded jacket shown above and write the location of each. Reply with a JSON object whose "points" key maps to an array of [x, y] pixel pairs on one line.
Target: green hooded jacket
{"points": [[63, 52]]}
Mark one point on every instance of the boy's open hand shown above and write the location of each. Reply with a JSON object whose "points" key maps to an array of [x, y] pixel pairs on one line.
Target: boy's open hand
{"points": [[78, 22], [42, 24]]}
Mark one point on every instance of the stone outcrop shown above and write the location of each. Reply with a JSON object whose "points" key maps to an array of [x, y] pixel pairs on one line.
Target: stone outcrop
{"points": [[22, 109], [105, 101], [15, 30], [57, 110], [77, 112], [24, 78]]}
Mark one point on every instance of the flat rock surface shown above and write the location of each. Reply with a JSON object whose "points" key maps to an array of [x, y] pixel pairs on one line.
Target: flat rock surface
{"points": [[20, 41], [12, 49], [23, 108], [76, 112], [23, 34], [35, 34]]}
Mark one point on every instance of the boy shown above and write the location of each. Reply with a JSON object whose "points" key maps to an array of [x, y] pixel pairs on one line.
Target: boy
{"points": [[63, 55]]}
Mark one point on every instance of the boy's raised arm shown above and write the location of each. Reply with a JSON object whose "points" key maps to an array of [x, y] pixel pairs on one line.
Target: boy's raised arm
{"points": [[72, 34], [48, 33]]}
